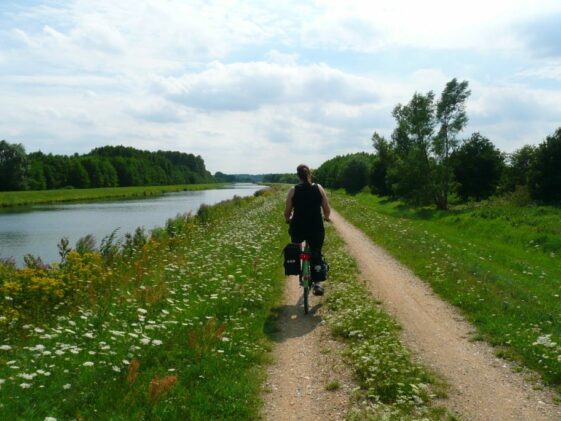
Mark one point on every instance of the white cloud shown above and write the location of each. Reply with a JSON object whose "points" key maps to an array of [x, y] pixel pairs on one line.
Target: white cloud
{"points": [[248, 86]]}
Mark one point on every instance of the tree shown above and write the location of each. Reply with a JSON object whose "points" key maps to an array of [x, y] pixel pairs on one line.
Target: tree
{"points": [[379, 181], [545, 177], [411, 139], [451, 114], [520, 164], [14, 166], [422, 170], [477, 166], [354, 174]]}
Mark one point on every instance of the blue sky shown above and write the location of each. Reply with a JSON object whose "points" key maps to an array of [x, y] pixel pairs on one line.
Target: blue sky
{"points": [[261, 86]]}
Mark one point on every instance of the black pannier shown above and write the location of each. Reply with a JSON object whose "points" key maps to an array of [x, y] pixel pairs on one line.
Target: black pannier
{"points": [[319, 268], [292, 259]]}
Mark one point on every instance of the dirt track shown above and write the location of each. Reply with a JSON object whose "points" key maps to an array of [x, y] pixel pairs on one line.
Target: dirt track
{"points": [[306, 360], [482, 387]]}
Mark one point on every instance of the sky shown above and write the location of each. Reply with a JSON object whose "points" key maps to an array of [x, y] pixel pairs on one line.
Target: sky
{"points": [[262, 86]]}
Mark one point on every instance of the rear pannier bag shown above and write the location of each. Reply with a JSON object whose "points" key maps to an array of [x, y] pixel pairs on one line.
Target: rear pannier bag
{"points": [[292, 259], [319, 268]]}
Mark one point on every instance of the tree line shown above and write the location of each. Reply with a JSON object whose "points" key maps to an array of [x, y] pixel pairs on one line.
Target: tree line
{"points": [[425, 162], [108, 166]]}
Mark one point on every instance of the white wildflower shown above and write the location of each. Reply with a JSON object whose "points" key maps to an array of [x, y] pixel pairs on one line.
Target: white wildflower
{"points": [[116, 369], [545, 340], [67, 386], [50, 419], [5, 347], [88, 364], [156, 342], [25, 385]]}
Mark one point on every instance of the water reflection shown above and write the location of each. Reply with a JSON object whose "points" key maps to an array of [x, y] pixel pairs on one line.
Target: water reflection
{"points": [[38, 229]]}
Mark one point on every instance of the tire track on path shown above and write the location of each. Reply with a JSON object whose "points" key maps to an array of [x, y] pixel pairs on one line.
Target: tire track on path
{"points": [[482, 387], [306, 359]]}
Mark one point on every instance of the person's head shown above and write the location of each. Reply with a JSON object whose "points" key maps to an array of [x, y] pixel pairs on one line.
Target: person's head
{"points": [[304, 173]]}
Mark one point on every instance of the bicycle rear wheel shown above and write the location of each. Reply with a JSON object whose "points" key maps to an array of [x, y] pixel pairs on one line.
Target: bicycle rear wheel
{"points": [[306, 300]]}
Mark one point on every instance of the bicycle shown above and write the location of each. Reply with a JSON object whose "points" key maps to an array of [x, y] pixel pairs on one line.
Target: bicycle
{"points": [[305, 276]]}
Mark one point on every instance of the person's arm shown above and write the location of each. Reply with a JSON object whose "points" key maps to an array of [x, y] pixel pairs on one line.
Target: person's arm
{"points": [[324, 204], [289, 205]]}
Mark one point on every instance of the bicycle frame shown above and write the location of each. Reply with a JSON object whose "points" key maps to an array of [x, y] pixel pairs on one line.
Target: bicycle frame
{"points": [[306, 275]]}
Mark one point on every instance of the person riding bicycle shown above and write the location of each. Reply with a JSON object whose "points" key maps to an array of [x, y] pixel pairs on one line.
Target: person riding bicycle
{"points": [[303, 211]]}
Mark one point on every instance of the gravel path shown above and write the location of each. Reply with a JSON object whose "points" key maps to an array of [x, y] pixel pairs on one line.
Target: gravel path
{"points": [[306, 360], [482, 387]]}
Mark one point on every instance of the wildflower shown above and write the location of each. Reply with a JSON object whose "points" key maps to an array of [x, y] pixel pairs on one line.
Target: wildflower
{"points": [[142, 311], [50, 419], [5, 347], [25, 385], [133, 371], [159, 387], [156, 342], [67, 386], [116, 369], [88, 364], [2, 381]]}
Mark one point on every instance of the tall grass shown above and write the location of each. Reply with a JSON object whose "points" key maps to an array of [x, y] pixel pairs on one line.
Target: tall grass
{"points": [[25, 198], [500, 264], [169, 327]]}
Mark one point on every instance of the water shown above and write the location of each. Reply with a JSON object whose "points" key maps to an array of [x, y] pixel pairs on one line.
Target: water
{"points": [[38, 229]]}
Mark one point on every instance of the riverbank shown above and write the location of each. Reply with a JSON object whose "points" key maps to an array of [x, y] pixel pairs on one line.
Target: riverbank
{"points": [[166, 326], [39, 197]]}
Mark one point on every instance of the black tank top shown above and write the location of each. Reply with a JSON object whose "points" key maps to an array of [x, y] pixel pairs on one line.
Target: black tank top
{"points": [[307, 206]]}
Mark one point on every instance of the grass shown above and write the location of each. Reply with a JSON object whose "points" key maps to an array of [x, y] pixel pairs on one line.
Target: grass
{"points": [[26, 198], [392, 385], [499, 263], [173, 330]]}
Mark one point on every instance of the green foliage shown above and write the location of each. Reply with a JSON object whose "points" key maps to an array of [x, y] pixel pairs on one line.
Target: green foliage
{"points": [[423, 169], [14, 167], [287, 178], [545, 179], [477, 167], [354, 174], [348, 171], [109, 166], [86, 244], [381, 164], [518, 167]]}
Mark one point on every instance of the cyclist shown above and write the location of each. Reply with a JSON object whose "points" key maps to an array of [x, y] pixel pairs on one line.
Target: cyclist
{"points": [[303, 211]]}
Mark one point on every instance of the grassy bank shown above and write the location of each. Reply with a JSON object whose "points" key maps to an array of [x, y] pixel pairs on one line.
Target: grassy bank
{"points": [[392, 386], [166, 327], [499, 263], [24, 198]]}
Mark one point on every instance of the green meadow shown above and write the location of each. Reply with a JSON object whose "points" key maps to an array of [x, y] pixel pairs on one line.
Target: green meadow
{"points": [[24, 198], [499, 263]]}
